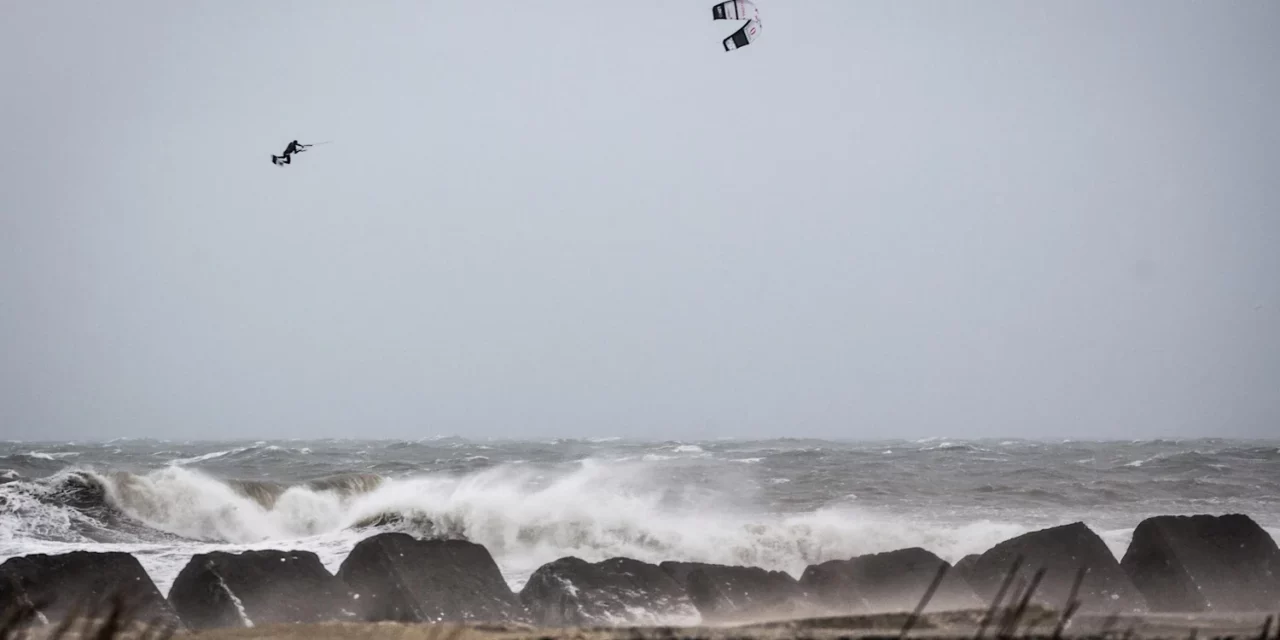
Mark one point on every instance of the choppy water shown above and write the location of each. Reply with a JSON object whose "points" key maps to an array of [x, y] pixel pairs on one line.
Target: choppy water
{"points": [[779, 504]]}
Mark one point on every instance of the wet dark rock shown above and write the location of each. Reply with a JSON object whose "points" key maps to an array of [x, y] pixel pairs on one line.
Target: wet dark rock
{"points": [[964, 568], [1204, 563], [257, 588], [1061, 552], [618, 591], [57, 585], [737, 594], [887, 582], [402, 578]]}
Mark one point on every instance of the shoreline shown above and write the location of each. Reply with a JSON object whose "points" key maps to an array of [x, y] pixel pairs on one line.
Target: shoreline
{"points": [[1041, 623]]}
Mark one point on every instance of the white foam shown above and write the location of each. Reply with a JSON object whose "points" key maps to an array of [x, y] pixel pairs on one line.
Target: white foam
{"points": [[41, 455], [235, 601], [190, 504], [525, 517], [208, 456], [1117, 540], [26, 516]]}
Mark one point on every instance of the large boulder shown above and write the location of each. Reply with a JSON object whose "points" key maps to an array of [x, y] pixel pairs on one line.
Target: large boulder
{"points": [[401, 578], [1061, 552], [257, 588], [964, 568], [1204, 564], [887, 582], [618, 591], [739, 594], [78, 582]]}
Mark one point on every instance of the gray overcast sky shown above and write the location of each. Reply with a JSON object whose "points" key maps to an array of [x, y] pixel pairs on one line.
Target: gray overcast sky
{"points": [[884, 218]]}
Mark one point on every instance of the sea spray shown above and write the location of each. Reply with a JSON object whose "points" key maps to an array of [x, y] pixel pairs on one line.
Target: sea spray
{"points": [[190, 504], [526, 518], [794, 503]]}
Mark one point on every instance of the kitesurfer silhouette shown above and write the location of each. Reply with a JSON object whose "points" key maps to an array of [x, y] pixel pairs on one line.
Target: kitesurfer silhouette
{"points": [[294, 147]]}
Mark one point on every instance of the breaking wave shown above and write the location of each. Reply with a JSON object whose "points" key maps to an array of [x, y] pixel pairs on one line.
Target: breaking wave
{"points": [[775, 504], [524, 517]]}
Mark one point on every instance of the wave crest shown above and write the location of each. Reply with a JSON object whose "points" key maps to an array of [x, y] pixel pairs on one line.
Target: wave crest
{"points": [[523, 515]]}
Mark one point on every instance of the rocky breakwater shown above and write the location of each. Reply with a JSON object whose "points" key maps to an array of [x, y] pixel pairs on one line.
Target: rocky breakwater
{"points": [[735, 594], [618, 591], [1045, 567], [58, 586], [1204, 564], [1186, 565], [400, 578], [887, 582], [258, 588]]}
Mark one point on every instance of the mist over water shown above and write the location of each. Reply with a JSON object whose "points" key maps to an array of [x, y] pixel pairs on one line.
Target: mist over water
{"points": [[778, 504]]}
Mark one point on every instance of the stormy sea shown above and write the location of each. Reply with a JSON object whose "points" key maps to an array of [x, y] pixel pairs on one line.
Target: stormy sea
{"points": [[778, 504]]}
